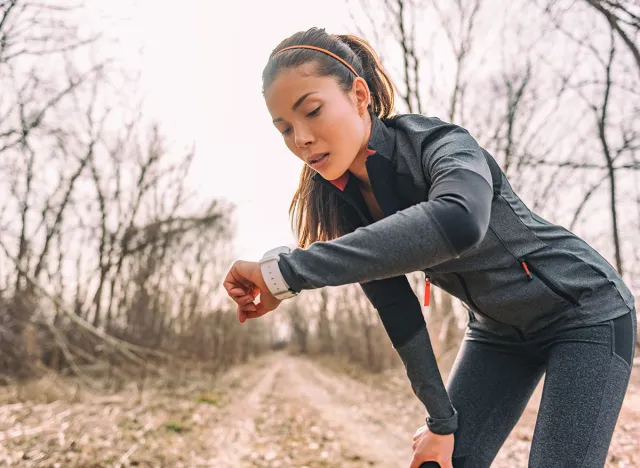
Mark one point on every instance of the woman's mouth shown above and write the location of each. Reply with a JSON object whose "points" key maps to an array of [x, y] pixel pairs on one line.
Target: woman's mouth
{"points": [[318, 162]]}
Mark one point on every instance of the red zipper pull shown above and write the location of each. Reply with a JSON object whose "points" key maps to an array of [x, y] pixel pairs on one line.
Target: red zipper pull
{"points": [[427, 292], [526, 269]]}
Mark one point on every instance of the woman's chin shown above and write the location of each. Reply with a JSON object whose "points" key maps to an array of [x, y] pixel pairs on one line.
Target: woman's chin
{"points": [[331, 173]]}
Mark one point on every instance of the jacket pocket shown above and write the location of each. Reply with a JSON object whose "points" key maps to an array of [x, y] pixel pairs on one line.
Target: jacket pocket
{"points": [[518, 292], [534, 273], [513, 297]]}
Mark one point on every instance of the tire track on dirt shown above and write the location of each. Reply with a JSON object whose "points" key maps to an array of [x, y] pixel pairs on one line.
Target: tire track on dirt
{"points": [[235, 427], [349, 405]]}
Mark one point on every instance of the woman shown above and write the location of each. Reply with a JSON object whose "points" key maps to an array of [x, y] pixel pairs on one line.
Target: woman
{"points": [[383, 196]]}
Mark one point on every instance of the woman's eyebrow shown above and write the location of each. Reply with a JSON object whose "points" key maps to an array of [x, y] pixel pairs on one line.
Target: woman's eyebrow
{"points": [[296, 104]]}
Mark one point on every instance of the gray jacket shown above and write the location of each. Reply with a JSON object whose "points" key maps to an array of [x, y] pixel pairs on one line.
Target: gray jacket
{"points": [[450, 212]]}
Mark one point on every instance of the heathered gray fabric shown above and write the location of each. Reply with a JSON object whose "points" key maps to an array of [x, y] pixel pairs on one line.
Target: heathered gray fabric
{"points": [[418, 358], [571, 285], [494, 376], [584, 289], [391, 246], [383, 249]]}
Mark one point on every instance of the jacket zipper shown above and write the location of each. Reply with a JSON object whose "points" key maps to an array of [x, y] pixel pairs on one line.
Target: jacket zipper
{"points": [[475, 306], [468, 294], [549, 283], [427, 291], [527, 267]]}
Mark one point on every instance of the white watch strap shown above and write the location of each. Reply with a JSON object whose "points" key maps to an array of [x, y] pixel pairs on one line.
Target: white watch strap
{"points": [[272, 274], [273, 277]]}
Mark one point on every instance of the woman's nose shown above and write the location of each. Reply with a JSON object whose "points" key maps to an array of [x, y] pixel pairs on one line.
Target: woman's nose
{"points": [[303, 138]]}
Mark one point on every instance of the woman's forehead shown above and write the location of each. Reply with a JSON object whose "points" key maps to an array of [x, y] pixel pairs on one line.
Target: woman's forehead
{"points": [[290, 85]]}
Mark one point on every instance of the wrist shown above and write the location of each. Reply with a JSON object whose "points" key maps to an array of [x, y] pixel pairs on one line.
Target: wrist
{"points": [[443, 426]]}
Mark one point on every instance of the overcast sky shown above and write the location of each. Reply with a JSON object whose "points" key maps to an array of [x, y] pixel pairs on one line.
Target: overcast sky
{"points": [[202, 76]]}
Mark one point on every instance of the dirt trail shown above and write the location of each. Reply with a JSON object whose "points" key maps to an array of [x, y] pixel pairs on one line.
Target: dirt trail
{"points": [[278, 412], [354, 408], [234, 430], [374, 422]]}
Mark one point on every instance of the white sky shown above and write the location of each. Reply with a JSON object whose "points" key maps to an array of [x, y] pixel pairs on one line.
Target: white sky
{"points": [[202, 74]]}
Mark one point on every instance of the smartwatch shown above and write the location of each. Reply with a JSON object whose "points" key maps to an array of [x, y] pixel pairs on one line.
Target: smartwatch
{"points": [[272, 275]]}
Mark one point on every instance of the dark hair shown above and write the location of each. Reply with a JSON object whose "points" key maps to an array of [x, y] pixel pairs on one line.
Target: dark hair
{"points": [[315, 210]]}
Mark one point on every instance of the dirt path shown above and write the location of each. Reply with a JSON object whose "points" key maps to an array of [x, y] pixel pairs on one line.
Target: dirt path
{"points": [[374, 419], [235, 427], [353, 408], [279, 411]]}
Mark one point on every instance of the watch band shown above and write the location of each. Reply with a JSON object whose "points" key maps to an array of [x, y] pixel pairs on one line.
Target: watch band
{"points": [[272, 275]]}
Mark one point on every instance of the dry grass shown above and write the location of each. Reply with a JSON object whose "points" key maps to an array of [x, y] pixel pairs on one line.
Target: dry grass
{"points": [[276, 411]]}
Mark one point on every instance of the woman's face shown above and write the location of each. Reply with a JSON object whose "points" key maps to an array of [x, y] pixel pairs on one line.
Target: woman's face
{"points": [[320, 123]]}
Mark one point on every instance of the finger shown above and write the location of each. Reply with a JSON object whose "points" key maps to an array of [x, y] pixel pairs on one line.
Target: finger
{"points": [[243, 300], [415, 462], [236, 291], [232, 280], [251, 290], [235, 279], [244, 312], [259, 310], [248, 308]]}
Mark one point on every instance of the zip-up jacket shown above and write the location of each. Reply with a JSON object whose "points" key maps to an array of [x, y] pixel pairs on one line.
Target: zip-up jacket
{"points": [[451, 213]]}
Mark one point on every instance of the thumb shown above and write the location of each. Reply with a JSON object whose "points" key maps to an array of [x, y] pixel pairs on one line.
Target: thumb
{"points": [[416, 463]]}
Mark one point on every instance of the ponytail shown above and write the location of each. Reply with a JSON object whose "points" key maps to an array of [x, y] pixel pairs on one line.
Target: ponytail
{"points": [[380, 85]]}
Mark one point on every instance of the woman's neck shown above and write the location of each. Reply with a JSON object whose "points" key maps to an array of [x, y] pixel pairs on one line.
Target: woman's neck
{"points": [[358, 167]]}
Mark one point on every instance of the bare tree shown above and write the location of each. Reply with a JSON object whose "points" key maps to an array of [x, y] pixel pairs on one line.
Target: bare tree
{"points": [[618, 142], [106, 256], [545, 117], [624, 19]]}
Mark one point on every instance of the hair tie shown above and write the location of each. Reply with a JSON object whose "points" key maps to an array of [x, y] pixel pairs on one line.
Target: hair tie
{"points": [[319, 49]]}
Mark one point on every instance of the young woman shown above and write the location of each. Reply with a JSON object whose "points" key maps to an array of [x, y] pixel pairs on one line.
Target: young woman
{"points": [[382, 196]]}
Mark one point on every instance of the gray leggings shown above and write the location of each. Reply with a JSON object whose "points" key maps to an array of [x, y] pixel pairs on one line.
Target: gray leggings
{"points": [[587, 374]]}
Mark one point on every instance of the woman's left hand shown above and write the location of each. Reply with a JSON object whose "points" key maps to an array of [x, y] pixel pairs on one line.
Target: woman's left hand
{"points": [[428, 446], [244, 283]]}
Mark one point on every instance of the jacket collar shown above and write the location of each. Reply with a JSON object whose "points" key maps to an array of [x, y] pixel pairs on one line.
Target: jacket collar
{"points": [[383, 137], [382, 141]]}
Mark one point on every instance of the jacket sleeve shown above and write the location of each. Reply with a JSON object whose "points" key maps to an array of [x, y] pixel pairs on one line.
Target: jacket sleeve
{"points": [[454, 219], [401, 316]]}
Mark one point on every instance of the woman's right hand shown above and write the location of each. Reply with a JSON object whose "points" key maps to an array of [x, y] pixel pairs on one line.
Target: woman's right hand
{"points": [[244, 283], [430, 447]]}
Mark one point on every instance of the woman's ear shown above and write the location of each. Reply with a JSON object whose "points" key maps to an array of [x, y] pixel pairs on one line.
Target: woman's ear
{"points": [[362, 94]]}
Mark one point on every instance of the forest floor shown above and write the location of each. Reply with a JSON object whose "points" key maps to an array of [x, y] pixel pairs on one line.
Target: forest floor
{"points": [[276, 411]]}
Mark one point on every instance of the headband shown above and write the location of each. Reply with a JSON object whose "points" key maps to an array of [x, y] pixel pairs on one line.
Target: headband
{"points": [[344, 62]]}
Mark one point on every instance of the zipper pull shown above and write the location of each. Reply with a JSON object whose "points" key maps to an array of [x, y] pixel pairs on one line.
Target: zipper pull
{"points": [[526, 269], [427, 292]]}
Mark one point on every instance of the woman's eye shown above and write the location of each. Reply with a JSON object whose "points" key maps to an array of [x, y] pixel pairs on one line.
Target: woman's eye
{"points": [[314, 112], [286, 132]]}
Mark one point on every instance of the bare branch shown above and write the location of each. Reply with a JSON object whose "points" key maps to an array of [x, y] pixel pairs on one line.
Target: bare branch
{"points": [[614, 22]]}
